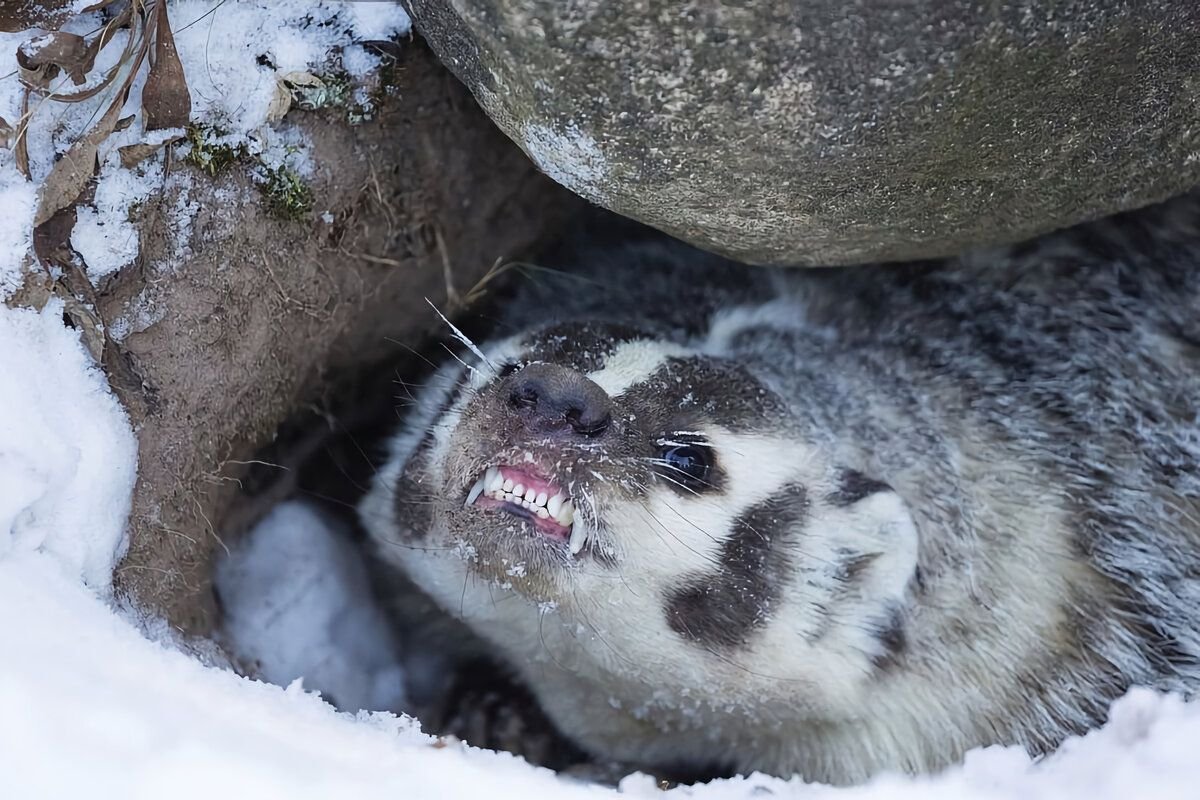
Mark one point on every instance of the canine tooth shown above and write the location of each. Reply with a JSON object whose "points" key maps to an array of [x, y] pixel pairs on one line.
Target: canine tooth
{"points": [[531, 495], [578, 536], [507, 485], [566, 514], [554, 504], [493, 479], [540, 500], [519, 490], [543, 513], [473, 495]]}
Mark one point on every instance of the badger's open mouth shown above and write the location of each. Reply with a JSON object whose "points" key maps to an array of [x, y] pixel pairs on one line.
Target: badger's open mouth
{"points": [[523, 493]]}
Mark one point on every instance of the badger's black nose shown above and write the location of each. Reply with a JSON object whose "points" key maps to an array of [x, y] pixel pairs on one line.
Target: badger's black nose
{"points": [[551, 398]]}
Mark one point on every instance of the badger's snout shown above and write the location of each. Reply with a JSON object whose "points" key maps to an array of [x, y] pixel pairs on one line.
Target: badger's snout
{"points": [[558, 401]]}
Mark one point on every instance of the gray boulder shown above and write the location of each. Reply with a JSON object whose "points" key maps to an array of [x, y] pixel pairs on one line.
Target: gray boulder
{"points": [[832, 132]]}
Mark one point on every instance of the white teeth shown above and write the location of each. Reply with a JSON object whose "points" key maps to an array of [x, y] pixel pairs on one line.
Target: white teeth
{"points": [[493, 484], [578, 536], [476, 490], [566, 514]]}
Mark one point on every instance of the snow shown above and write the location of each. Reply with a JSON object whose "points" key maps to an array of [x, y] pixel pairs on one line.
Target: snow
{"points": [[18, 200], [298, 605], [96, 702], [91, 708], [232, 55], [67, 456], [104, 236]]}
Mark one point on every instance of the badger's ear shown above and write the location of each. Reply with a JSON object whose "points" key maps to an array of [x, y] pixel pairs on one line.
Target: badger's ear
{"points": [[869, 518]]}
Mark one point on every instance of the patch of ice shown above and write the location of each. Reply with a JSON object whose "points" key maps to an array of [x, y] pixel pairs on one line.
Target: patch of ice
{"points": [[298, 605]]}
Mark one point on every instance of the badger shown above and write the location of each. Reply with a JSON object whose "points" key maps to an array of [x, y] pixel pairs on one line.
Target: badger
{"points": [[822, 522]]}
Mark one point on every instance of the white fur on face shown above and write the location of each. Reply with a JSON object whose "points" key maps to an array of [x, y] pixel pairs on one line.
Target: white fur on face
{"points": [[634, 362], [667, 537], [815, 636]]}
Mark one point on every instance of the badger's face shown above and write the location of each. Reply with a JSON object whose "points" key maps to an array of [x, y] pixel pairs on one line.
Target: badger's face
{"points": [[660, 496]]}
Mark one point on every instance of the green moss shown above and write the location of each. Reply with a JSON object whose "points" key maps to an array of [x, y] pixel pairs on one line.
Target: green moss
{"points": [[208, 153], [288, 196], [332, 91]]}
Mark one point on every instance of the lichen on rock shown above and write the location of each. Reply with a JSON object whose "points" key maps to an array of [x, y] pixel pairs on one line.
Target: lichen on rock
{"points": [[812, 132]]}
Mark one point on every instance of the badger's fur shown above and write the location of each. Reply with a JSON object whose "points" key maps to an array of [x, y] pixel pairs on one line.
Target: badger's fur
{"points": [[946, 505]]}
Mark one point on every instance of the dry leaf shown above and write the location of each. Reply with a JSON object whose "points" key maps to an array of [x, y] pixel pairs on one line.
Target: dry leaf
{"points": [[134, 154], [288, 88], [21, 151], [35, 290], [6, 133], [52, 239], [42, 57], [281, 102], [165, 98], [302, 80], [72, 172], [85, 320], [21, 15]]}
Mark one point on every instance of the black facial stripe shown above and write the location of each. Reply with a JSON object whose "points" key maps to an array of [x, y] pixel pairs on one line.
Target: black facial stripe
{"points": [[854, 486], [721, 609], [892, 639], [414, 517], [702, 387], [584, 346]]}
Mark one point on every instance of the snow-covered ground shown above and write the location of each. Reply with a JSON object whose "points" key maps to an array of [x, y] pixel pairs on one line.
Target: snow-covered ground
{"points": [[97, 703]]}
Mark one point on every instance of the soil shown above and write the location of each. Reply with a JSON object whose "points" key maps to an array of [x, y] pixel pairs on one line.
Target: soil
{"points": [[263, 317]]}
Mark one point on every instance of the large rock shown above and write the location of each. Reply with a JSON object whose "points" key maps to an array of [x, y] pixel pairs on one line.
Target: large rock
{"points": [[827, 132]]}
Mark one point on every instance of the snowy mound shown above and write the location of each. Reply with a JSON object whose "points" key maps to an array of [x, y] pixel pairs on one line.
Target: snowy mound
{"points": [[97, 704]]}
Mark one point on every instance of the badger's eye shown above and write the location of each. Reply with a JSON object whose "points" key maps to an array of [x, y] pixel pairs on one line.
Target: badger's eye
{"points": [[687, 464]]}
